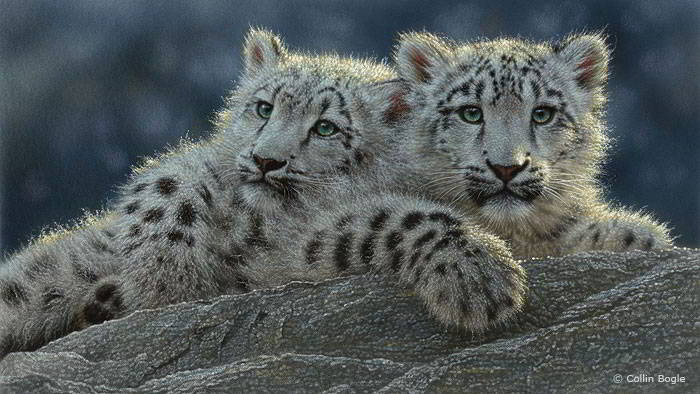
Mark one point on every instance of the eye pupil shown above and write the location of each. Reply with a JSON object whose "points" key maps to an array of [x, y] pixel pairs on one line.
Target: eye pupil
{"points": [[542, 115], [264, 109], [471, 114], [325, 128]]}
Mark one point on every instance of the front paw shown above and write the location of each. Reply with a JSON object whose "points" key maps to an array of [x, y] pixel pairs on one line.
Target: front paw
{"points": [[103, 302], [628, 233], [475, 285]]}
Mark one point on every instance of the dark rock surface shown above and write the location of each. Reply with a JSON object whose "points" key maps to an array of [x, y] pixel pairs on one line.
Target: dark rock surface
{"points": [[589, 317]]}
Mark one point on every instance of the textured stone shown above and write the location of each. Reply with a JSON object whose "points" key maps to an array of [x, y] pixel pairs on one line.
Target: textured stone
{"points": [[589, 317]]}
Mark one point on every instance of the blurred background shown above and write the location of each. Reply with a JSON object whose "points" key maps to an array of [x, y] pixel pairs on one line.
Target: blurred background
{"points": [[88, 87]]}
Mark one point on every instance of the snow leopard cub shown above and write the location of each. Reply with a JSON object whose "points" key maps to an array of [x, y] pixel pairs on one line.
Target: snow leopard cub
{"points": [[512, 132], [294, 185]]}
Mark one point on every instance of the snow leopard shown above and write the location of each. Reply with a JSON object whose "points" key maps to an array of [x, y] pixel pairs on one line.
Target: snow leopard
{"points": [[300, 181], [513, 133]]}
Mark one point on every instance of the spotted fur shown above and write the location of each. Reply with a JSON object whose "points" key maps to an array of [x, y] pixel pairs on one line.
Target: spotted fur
{"points": [[532, 184], [267, 200]]}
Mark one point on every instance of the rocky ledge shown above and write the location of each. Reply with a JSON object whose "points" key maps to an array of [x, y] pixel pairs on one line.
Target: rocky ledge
{"points": [[589, 318]]}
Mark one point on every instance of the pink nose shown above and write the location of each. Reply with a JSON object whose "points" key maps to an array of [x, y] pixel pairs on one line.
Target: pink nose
{"points": [[506, 173], [267, 165]]}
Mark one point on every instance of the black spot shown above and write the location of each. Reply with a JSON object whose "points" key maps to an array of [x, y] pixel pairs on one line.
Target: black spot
{"points": [[393, 240], [367, 249], [424, 239], [132, 207], [379, 221], [140, 187], [397, 260], [189, 241], [49, 297], [596, 236], [446, 219], [14, 293], [186, 214], [440, 269], [205, 194], [176, 236], [412, 220], [359, 156], [342, 251], [166, 186], [134, 230], [154, 215], [312, 251], [629, 238], [96, 313], [104, 292]]}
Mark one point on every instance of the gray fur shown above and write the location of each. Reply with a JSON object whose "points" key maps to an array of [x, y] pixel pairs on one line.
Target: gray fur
{"points": [[204, 220], [554, 205]]}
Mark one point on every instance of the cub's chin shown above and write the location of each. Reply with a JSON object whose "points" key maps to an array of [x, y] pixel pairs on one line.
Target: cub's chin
{"points": [[265, 198], [506, 208]]}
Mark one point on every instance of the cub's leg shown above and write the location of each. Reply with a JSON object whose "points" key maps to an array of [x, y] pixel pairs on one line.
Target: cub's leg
{"points": [[466, 277], [42, 287]]}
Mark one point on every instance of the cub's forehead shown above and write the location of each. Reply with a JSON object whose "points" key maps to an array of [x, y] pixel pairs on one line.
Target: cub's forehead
{"points": [[503, 51], [493, 70], [499, 59]]}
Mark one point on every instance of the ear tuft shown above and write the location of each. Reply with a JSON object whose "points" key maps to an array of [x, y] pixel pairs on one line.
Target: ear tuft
{"points": [[262, 49], [587, 56], [417, 55]]}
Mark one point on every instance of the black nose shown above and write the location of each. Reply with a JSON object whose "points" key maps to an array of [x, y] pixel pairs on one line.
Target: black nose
{"points": [[267, 165], [506, 173]]}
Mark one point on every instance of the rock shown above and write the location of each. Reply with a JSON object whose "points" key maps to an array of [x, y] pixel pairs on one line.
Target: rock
{"points": [[589, 317]]}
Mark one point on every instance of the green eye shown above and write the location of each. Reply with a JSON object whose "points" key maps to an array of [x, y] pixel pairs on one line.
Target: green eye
{"points": [[542, 115], [471, 114], [325, 128], [264, 109]]}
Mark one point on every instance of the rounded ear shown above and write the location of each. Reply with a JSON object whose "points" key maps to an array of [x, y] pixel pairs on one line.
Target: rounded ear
{"points": [[586, 56], [261, 50], [418, 56], [391, 99]]}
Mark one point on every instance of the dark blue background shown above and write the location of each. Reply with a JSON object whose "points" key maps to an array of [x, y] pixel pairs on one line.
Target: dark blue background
{"points": [[88, 87]]}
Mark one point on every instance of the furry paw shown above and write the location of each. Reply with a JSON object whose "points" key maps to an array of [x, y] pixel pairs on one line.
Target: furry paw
{"points": [[475, 284], [104, 302], [627, 231]]}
